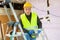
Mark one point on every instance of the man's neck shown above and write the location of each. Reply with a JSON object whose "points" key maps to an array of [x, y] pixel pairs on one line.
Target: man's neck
{"points": [[28, 14]]}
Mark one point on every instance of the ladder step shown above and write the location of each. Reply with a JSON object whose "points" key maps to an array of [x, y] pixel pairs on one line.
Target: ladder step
{"points": [[16, 35]]}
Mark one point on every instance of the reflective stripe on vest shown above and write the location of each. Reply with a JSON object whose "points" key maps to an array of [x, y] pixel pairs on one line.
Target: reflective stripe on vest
{"points": [[29, 25]]}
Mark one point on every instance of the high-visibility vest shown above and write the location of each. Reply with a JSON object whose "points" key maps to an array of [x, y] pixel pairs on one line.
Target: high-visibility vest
{"points": [[29, 25]]}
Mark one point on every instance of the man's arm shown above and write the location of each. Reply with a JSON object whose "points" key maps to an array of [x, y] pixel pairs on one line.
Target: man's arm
{"points": [[39, 23]]}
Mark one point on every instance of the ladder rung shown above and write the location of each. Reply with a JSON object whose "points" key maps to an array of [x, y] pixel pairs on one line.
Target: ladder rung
{"points": [[16, 35]]}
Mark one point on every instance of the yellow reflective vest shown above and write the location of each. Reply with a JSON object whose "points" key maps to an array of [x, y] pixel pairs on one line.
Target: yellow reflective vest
{"points": [[29, 25]]}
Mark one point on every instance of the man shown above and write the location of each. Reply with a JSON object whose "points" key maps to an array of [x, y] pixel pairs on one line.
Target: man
{"points": [[30, 22]]}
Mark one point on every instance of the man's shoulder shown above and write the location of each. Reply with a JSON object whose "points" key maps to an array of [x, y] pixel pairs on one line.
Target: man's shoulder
{"points": [[22, 14], [34, 13]]}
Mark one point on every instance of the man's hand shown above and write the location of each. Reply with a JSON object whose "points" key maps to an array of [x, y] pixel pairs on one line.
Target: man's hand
{"points": [[39, 31], [31, 32]]}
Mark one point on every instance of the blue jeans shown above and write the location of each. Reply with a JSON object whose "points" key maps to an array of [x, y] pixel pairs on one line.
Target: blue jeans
{"points": [[28, 37]]}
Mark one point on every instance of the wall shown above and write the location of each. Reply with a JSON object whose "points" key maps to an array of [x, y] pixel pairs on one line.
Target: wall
{"points": [[52, 28]]}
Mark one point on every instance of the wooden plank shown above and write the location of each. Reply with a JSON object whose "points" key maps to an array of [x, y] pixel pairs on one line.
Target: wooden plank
{"points": [[1, 32], [2, 11]]}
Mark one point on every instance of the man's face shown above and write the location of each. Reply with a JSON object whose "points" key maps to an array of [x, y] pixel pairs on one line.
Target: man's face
{"points": [[27, 10]]}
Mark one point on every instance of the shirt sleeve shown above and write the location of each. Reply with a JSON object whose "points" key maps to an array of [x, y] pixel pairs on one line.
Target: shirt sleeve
{"points": [[39, 23]]}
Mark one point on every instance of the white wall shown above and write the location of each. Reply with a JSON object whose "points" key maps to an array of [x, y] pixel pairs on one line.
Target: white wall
{"points": [[52, 29]]}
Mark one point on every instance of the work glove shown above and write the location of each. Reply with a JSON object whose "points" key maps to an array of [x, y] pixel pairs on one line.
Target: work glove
{"points": [[39, 31], [32, 34]]}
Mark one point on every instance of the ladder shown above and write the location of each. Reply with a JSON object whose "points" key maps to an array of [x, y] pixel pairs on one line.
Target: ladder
{"points": [[16, 18]]}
